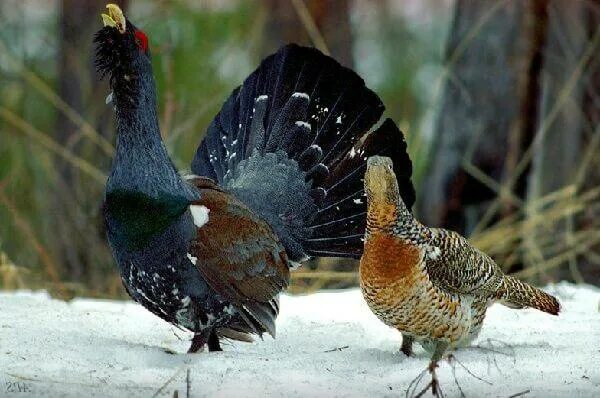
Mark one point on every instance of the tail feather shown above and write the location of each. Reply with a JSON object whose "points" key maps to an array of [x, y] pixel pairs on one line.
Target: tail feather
{"points": [[296, 109], [345, 204], [262, 315], [255, 318], [518, 294], [233, 334], [292, 144]]}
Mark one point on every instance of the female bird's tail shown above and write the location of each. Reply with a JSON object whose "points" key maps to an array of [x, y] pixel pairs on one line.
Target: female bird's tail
{"points": [[292, 143], [518, 294]]}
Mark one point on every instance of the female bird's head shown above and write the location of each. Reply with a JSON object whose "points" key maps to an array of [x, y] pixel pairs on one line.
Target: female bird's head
{"points": [[122, 54], [380, 181], [384, 203]]}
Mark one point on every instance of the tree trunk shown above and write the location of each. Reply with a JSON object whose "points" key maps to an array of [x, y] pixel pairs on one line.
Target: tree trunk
{"points": [[558, 149], [492, 59], [515, 92], [331, 17]]}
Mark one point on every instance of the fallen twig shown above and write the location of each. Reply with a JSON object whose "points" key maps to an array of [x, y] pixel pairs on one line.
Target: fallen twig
{"points": [[337, 349], [520, 394]]}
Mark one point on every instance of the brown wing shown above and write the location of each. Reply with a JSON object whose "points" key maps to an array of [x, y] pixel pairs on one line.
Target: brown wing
{"points": [[240, 256], [453, 264]]}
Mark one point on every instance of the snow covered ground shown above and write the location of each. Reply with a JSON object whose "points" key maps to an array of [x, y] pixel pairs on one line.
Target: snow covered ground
{"points": [[328, 344]]}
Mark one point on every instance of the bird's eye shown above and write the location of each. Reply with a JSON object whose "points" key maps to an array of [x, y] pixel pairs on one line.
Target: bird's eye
{"points": [[141, 40]]}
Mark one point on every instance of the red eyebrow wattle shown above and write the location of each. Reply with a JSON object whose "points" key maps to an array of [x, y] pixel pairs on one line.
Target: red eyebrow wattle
{"points": [[143, 40]]}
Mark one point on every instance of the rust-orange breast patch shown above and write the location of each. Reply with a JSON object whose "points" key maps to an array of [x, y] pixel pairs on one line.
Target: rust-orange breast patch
{"points": [[387, 258]]}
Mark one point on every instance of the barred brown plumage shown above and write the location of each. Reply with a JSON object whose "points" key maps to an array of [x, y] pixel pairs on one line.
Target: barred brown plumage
{"points": [[430, 283]]}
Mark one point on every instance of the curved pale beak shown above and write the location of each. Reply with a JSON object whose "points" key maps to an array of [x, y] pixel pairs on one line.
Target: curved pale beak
{"points": [[115, 18]]}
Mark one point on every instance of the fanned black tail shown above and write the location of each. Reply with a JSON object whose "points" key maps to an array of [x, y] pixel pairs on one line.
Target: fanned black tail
{"points": [[292, 143]]}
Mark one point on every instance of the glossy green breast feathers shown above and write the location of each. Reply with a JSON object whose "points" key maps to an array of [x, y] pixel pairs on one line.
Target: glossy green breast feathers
{"points": [[133, 218]]}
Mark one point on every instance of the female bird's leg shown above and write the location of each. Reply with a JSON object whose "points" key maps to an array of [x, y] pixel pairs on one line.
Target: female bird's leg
{"points": [[198, 342], [213, 341], [436, 391], [440, 348], [407, 342]]}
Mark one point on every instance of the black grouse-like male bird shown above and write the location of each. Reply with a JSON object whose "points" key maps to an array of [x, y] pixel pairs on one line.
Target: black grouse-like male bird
{"points": [[277, 179]]}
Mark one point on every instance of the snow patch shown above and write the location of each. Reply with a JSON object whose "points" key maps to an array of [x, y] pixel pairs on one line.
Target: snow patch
{"points": [[328, 344], [263, 97]]}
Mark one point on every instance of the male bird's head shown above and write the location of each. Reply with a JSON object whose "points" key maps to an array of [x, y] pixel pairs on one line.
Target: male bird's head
{"points": [[122, 54]]}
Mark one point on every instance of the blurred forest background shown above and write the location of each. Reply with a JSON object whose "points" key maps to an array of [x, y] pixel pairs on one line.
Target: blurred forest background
{"points": [[499, 100]]}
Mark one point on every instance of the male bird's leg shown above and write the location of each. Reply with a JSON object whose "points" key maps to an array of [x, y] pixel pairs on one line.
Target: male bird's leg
{"points": [[201, 336], [407, 342], [213, 341], [198, 342]]}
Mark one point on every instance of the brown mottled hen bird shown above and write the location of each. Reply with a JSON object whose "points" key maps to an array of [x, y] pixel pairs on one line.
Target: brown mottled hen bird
{"points": [[429, 283]]}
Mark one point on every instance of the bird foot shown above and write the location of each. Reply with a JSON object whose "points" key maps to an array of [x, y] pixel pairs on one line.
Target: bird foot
{"points": [[407, 344], [198, 343], [200, 340], [406, 351], [213, 342], [434, 384]]}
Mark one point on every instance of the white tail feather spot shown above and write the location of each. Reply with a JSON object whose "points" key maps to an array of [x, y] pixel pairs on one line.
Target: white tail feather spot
{"points": [[301, 95]]}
